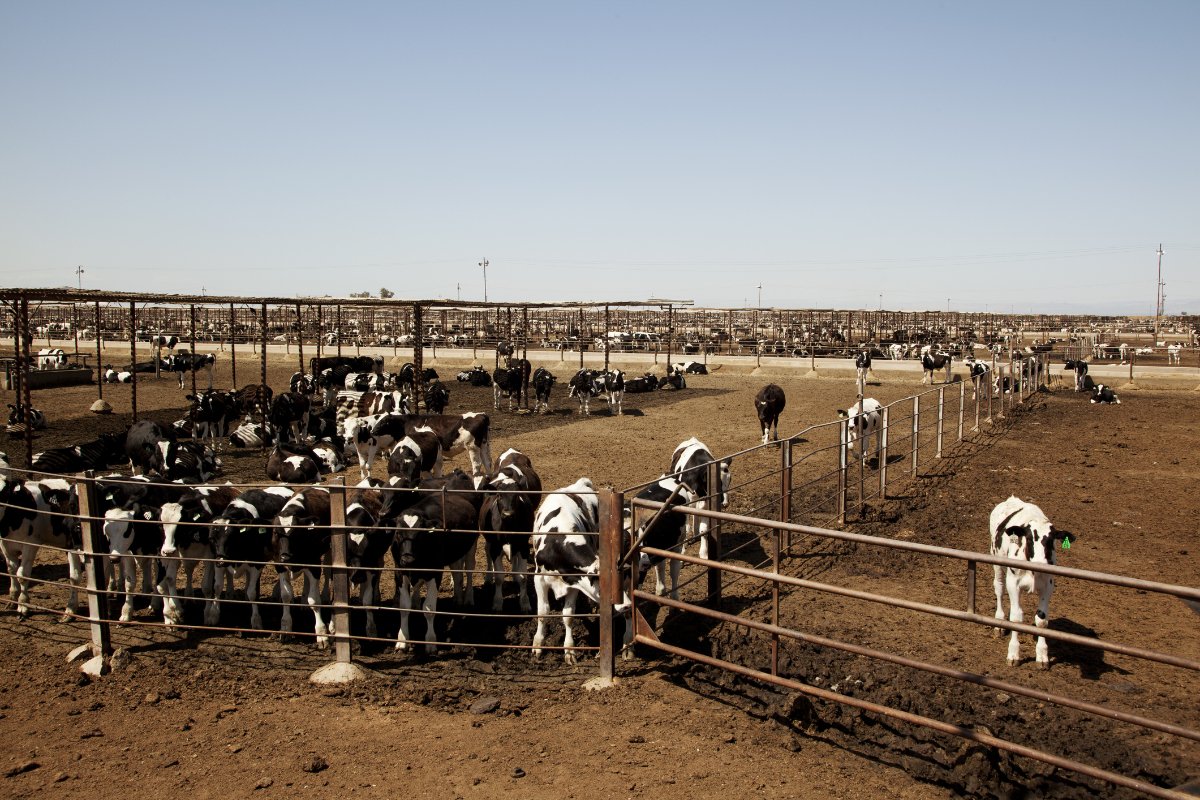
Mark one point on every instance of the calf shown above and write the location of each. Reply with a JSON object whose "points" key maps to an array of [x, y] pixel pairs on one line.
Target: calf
{"points": [[1021, 531], [438, 531], [366, 404], [543, 382], [117, 376], [566, 557], [302, 383], [301, 544], [932, 362], [690, 466], [506, 518], [187, 462], [1104, 394], [1174, 353], [419, 451], [186, 543], [661, 528], [51, 358], [470, 432], [862, 364], [141, 445], [612, 384], [506, 383], [212, 413], [19, 417], [691, 368], [98, 454], [35, 514], [977, 370], [254, 400], [583, 387], [476, 376], [1080, 368], [366, 381], [437, 397], [289, 416], [380, 432], [646, 383], [242, 543], [366, 545], [769, 404], [293, 463], [674, 380], [864, 420], [252, 434], [186, 361]]}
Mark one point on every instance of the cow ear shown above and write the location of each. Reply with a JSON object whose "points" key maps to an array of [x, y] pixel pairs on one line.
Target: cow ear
{"points": [[842, 413]]}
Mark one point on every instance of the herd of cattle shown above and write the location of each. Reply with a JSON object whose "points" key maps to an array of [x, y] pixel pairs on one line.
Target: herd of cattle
{"points": [[165, 516]]}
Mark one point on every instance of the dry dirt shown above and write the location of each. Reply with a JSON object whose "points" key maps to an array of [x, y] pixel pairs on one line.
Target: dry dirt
{"points": [[220, 716]]}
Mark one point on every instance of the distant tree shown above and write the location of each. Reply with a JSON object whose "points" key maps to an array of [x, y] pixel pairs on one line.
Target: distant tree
{"points": [[386, 293], [360, 294]]}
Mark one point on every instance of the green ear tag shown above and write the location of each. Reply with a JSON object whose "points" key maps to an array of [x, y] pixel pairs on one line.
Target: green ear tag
{"points": [[1066, 544]]}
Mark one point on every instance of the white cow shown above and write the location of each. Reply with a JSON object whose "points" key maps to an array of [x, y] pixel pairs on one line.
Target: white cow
{"points": [[865, 420]]}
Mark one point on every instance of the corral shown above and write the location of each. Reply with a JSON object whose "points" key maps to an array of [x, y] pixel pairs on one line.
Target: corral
{"points": [[1100, 471]]}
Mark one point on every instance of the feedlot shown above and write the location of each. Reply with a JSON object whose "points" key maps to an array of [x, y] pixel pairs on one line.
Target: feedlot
{"points": [[213, 715]]}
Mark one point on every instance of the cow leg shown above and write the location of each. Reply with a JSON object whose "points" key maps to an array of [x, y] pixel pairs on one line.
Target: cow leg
{"points": [[403, 602], [149, 570], [370, 588], [431, 595], [1041, 620], [1014, 615], [129, 579], [287, 593], [542, 591], [253, 575], [520, 568], [461, 581], [212, 608], [19, 568], [312, 593], [496, 566], [167, 588], [998, 585], [569, 637], [75, 576]]}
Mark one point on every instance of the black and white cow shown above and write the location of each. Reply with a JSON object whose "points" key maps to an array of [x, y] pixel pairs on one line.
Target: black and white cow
{"points": [[612, 385], [112, 375], [185, 361], [932, 362], [690, 465], [99, 454], [476, 376], [1104, 394], [1080, 368], [864, 420], [662, 531], [438, 531], [406, 378], [691, 368], [367, 543], [674, 380], [977, 370], [437, 397], [141, 445], [506, 383], [241, 541], [862, 365], [583, 387], [566, 557], [33, 514], [302, 383], [366, 381], [329, 456], [293, 463], [330, 372], [51, 358], [646, 383], [366, 404], [187, 462], [543, 383], [470, 433], [186, 543], [18, 418], [134, 533], [253, 434], [301, 545], [769, 404], [160, 341], [1021, 531], [506, 518], [289, 416], [212, 413], [419, 451], [254, 400], [375, 434]]}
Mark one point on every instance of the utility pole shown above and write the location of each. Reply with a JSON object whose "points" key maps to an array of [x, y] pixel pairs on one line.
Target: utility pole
{"points": [[1158, 297], [79, 276], [760, 295], [484, 264]]}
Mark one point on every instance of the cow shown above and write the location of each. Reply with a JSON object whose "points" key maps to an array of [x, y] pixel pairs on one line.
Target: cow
{"points": [[674, 379], [566, 557], [690, 466], [117, 376], [300, 544], [135, 538], [470, 432], [160, 341], [438, 531], [252, 434], [367, 544], [141, 445], [977, 371], [293, 463], [289, 416], [933, 361], [419, 451], [98, 454], [864, 419], [1021, 531], [406, 378], [373, 434], [1174, 353], [365, 404], [186, 361], [437, 397], [323, 425], [51, 358], [646, 383], [691, 368], [543, 382], [862, 365], [661, 528], [476, 376], [18, 418], [1104, 394], [612, 384], [366, 381], [1080, 367], [212, 413], [506, 518], [329, 456], [896, 351], [34, 514], [254, 400], [188, 462], [506, 383], [583, 387], [241, 542], [186, 543], [769, 404]]}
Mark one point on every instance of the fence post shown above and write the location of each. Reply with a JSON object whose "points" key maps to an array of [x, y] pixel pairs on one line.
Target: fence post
{"points": [[843, 459], [93, 564], [940, 418], [775, 600], [883, 449], [971, 569], [714, 535], [785, 487], [610, 580], [916, 431], [342, 669], [962, 408]]}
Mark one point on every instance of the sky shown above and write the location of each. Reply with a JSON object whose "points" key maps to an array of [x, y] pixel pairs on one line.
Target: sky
{"points": [[1019, 156]]}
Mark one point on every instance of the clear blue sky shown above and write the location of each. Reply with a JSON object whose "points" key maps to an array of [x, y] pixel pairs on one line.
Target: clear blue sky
{"points": [[1025, 155]]}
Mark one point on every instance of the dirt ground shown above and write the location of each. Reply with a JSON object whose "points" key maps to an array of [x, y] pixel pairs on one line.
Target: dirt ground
{"points": [[220, 716]]}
